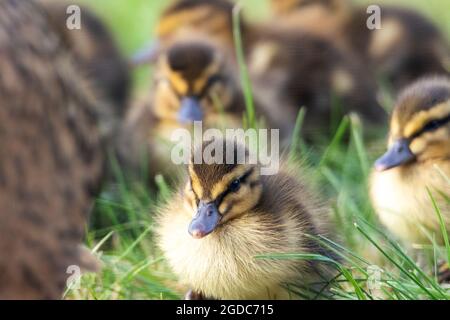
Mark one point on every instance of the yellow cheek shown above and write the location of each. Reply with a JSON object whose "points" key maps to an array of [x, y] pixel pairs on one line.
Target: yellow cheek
{"points": [[418, 145], [190, 204]]}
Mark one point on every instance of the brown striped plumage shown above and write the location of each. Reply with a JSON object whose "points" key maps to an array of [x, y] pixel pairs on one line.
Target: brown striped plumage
{"points": [[50, 158]]}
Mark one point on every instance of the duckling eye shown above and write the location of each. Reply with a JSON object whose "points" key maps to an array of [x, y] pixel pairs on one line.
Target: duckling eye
{"points": [[235, 185], [432, 125]]}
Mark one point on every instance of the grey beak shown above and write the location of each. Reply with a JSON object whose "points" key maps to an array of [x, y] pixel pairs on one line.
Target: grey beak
{"points": [[205, 221], [190, 110], [397, 155]]}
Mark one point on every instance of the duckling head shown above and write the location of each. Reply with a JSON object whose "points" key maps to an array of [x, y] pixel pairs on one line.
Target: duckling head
{"points": [[193, 82], [420, 125], [219, 193]]}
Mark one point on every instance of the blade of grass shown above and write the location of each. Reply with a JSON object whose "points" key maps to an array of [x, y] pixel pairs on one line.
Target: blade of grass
{"points": [[359, 144], [407, 259], [401, 268], [243, 71], [342, 128], [296, 135], [441, 224]]}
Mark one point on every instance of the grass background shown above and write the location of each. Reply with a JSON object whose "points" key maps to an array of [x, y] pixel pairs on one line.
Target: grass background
{"points": [[134, 268]]}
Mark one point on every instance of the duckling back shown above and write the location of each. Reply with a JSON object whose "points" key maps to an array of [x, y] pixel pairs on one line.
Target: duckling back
{"points": [[50, 163], [406, 47]]}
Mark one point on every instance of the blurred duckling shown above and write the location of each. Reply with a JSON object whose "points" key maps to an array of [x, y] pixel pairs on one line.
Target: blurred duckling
{"points": [[294, 69], [213, 229], [50, 164], [418, 158], [96, 53], [323, 18], [407, 47], [288, 69]]}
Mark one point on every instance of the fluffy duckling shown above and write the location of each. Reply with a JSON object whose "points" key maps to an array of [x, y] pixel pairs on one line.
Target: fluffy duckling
{"points": [[213, 229], [407, 47], [418, 158], [50, 163], [96, 53]]}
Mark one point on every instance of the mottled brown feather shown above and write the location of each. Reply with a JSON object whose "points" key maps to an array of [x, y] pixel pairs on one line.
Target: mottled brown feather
{"points": [[50, 158]]}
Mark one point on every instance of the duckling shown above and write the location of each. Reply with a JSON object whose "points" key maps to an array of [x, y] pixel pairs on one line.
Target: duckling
{"points": [[96, 53], [405, 48], [408, 47], [50, 163], [417, 162], [294, 69], [213, 229]]}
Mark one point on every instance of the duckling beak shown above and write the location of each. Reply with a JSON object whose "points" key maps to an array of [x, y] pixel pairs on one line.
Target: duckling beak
{"points": [[205, 221], [190, 110], [398, 154]]}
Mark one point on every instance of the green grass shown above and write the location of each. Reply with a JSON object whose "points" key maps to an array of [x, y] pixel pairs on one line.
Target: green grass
{"points": [[121, 230]]}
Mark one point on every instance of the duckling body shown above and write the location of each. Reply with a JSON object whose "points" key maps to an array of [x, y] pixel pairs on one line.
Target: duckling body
{"points": [[407, 47], [417, 161], [50, 163], [261, 215]]}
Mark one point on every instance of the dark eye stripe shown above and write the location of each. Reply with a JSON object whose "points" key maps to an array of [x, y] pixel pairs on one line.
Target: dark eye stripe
{"points": [[432, 125], [226, 192]]}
